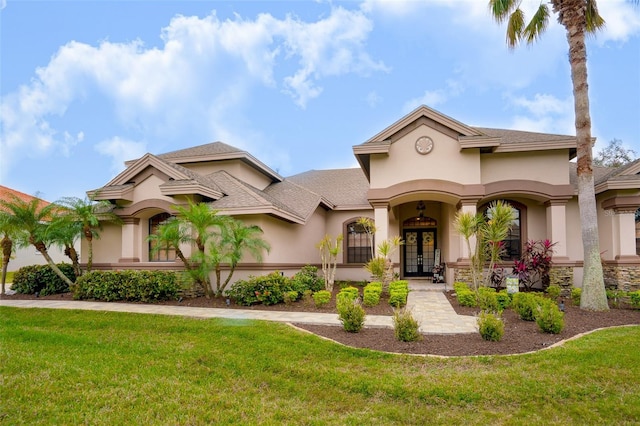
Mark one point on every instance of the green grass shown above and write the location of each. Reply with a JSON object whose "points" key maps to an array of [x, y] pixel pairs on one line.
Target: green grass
{"points": [[82, 367]]}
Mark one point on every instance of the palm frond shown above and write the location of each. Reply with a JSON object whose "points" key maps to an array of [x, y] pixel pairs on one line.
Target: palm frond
{"points": [[538, 24], [593, 19], [515, 26], [501, 9]]}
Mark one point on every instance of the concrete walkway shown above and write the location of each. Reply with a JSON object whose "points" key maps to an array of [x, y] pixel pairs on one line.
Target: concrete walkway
{"points": [[428, 305]]}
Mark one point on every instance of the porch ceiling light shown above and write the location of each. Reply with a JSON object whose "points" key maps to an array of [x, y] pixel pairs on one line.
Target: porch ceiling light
{"points": [[421, 207]]}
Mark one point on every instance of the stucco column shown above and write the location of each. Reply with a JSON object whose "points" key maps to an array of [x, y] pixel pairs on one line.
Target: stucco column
{"points": [[557, 227], [130, 241], [381, 217], [467, 207], [624, 226]]}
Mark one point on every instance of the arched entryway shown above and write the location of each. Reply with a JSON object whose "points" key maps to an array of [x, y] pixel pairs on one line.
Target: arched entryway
{"points": [[420, 252]]}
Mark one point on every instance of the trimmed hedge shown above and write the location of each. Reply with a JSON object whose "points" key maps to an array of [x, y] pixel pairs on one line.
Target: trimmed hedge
{"points": [[127, 285], [42, 279], [398, 293], [266, 289]]}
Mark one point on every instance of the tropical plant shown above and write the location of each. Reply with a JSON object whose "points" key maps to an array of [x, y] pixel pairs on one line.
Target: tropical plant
{"points": [[500, 217], [64, 234], [329, 250], [381, 266], [468, 224], [369, 227], [89, 215], [33, 220], [578, 17], [535, 263], [234, 241], [8, 232]]}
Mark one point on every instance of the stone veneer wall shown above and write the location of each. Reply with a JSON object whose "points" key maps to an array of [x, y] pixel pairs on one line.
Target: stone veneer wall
{"points": [[622, 277], [462, 275], [562, 276]]}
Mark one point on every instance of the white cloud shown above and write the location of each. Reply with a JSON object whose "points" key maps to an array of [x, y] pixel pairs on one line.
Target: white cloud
{"points": [[120, 150], [543, 113], [435, 98], [622, 20], [196, 81], [373, 99]]}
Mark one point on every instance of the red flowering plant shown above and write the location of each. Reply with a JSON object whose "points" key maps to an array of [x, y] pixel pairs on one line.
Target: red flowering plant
{"points": [[535, 263]]}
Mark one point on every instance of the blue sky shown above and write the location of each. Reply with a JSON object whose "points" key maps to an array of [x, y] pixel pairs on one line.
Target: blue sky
{"points": [[86, 85]]}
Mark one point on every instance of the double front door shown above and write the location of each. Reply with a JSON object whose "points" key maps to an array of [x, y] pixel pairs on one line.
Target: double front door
{"points": [[419, 252]]}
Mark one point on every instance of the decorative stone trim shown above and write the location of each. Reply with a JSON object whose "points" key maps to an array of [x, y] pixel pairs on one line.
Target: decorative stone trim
{"points": [[621, 277]]}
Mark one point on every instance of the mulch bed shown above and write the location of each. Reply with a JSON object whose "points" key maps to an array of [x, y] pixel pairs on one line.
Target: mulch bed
{"points": [[519, 337]]}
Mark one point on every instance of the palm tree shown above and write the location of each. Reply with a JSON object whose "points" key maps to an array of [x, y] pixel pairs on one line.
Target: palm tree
{"points": [[236, 240], [33, 219], [90, 214], [578, 17], [468, 225], [64, 233], [8, 234], [171, 234]]}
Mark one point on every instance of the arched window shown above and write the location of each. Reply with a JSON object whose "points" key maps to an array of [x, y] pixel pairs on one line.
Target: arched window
{"points": [[359, 243], [163, 254], [513, 242]]}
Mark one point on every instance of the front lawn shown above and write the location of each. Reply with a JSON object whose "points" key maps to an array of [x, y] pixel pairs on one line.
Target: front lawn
{"points": [[82, 367]]}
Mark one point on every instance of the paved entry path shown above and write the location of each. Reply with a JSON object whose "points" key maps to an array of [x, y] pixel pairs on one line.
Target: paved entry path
{"points": [[430, 308]]}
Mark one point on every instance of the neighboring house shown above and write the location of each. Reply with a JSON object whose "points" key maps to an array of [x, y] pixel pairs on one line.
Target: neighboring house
{"points": [[29, 255], [414, 176]]}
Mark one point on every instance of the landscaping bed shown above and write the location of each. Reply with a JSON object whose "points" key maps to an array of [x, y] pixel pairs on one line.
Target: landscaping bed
{"points": [[519, 337]]}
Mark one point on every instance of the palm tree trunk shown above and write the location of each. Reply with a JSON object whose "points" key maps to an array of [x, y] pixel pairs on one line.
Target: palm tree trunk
{"points": [[7, 247], [593, 291], [90, 251], [43, 250]]}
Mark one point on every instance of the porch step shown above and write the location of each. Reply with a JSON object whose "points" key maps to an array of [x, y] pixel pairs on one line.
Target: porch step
{"points": [[426, 285]]}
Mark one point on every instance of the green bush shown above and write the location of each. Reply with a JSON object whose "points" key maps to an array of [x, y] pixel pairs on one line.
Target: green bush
{"points": [[525, 305], [504, 299], [321, 298], [467, 298], [553, 291], [399, 285], [42, 279], [347, 294], [460, 286], [488, 299], [576, 293], [371, 295], [307, 279], [375, 285], [406, 327], [290, 296], [548, 317], [267, 289], [491, 326], [635, 298], [127, 285], [398, 298], [351, 315]]}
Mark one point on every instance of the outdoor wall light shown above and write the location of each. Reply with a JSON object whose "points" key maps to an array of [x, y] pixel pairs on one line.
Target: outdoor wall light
{"points": [[421, 208]]}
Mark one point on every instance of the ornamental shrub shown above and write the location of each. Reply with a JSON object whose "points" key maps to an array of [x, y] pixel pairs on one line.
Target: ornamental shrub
{"points": [[399, 285], [321, 298], [406, 327], [488, 299], [548, 317], [347, 294], [460, 286], [467, 298], [634, 297], [504, 299], [491, 326], [576, 293], [398, 298], [307, 279], [266, 289], [371, 294], [127, 285], [553, 291], [525, 305], [290, 296], [42, 279], [351, 315]]}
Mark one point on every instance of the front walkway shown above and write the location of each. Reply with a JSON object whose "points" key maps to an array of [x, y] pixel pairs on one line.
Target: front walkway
{"points": [[430, 307]]}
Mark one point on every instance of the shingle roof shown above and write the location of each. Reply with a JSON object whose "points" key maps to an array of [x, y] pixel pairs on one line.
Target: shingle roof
{"points": [[214, 148], [519, 136], [341, 187]]}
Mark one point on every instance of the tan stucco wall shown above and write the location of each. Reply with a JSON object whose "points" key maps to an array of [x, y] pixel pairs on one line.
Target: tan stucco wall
{"points": [[235, 168], [541, 166], [107, 248], [445, 162], [149, 188], [574, 233]]}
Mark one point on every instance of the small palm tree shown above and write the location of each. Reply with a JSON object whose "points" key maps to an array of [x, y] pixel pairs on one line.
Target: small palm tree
{"points": [[500, 217], [236, 240], [171, 234], [64, 233], [469, 225], [89, 214], [33, 219], [8, 233]]}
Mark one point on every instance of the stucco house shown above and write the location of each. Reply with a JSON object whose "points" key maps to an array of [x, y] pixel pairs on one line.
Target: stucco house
{"points": [[414, 176]]}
